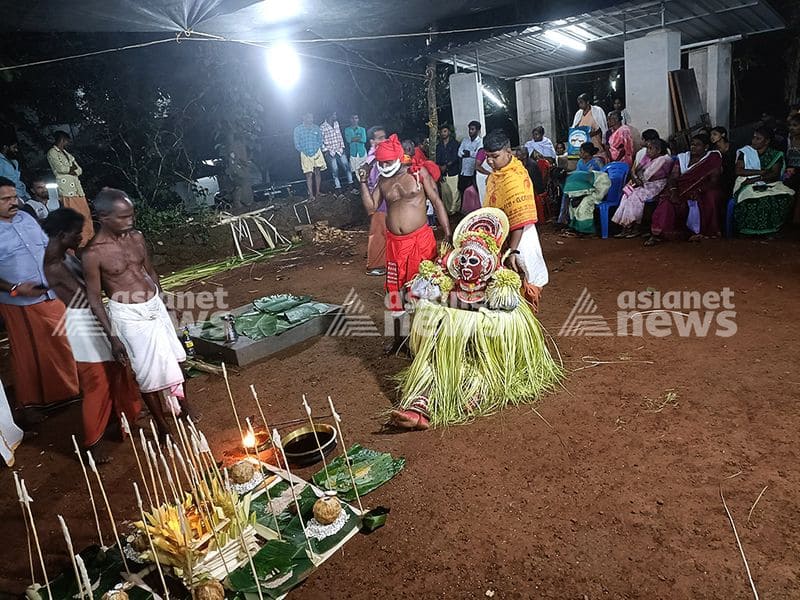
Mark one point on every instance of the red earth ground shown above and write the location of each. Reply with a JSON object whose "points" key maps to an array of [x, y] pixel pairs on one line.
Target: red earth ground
{"points": [[610, 491]]}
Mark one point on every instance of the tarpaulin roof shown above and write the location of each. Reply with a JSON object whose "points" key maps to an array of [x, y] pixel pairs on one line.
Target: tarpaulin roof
{"points": [[535, 52], [257, 19]]}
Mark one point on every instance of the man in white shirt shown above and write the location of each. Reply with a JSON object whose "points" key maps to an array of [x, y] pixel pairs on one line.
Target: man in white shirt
{"points": [[333, 149], [540, 145], [467, 151]]}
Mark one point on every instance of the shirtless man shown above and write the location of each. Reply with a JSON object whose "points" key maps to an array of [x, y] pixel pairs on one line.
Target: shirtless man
{"points": [[409, 238], [106, 384], [137, 324]]}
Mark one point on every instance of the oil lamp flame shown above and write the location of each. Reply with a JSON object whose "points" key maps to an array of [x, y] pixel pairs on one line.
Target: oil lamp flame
{"points": [[249, 440]]}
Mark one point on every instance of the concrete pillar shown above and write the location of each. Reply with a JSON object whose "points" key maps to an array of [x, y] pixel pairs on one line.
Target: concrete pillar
{"points": [[466, 100], [648, 60], [712, 67], [535, 106]]}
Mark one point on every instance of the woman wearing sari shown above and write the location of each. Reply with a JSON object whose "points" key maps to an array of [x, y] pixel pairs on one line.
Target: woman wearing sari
{"points": [[585, 189], [647, 182], [792, 175], [620, 141], [589, 161], [592, 117], [694, 179], [763, 203]]}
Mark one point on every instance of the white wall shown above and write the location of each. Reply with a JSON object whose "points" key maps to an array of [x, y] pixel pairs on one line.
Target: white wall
{"points": [[648, 61], [535, 106], [466, 100]]}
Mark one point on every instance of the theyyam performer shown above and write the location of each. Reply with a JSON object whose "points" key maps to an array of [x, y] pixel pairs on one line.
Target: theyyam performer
{"points": [[477, 344]]}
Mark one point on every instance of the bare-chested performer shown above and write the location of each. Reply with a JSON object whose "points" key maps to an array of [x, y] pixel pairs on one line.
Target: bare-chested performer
{"points": [[137, 324], [108, 386], [409, 238]]}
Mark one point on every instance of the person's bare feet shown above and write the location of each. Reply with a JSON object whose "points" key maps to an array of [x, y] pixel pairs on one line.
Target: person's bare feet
{"points": [[99, 454], [409, 419], [33, 416]]}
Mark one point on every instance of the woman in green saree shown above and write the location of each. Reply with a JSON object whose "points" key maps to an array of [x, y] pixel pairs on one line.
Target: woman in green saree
{"points": [[763, 203]]}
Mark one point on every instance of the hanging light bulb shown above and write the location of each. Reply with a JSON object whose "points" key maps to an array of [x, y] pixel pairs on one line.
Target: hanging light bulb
{"points": [[283, 64]]}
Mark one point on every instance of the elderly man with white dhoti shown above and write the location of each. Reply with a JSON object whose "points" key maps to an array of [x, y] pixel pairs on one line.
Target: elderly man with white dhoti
{"points": [[137, 323]]}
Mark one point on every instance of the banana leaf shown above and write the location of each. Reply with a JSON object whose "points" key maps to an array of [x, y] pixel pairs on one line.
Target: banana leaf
{"points": [[289, 523], [279, 565], [293, 532], [371, 470], [279, 303], [103, 567], [304, 312]]}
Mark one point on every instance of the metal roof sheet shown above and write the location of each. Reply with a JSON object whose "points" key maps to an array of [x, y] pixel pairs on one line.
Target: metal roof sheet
{"points": [[529, 53]]}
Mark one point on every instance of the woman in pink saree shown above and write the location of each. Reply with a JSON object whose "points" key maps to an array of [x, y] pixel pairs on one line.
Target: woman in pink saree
{"points": [[620, 142], [646, 183], [695, 178]]}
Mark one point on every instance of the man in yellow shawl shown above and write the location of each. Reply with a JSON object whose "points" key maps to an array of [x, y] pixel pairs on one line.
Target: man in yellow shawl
{"points": [[509, 188]]}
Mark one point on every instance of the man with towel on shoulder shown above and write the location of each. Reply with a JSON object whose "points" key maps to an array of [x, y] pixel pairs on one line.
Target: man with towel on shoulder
{"points": [[106, 384], [137, 324]]}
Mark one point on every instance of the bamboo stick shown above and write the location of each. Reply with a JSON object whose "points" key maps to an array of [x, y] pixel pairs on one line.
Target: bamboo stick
{"points": [[338, 420], [89, 488], [150, 541], [93, 467]]}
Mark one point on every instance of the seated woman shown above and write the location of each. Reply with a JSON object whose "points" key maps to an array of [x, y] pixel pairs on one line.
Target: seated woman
{"points": [[721, 143], [763, 203], [791, 176], [589, 160], [695, 177], [584, 189], [647, 182]]}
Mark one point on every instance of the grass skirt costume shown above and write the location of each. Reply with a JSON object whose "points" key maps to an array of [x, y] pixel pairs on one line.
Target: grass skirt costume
{"points": [[477, 344]]}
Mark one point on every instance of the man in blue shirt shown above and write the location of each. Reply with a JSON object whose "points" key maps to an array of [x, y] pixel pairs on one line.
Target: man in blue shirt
{"points": [[356, 137], [308, 142], [44, 369], [9, 165]]}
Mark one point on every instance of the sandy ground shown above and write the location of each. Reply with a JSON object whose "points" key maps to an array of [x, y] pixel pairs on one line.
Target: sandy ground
{"points": [[611, 491]]}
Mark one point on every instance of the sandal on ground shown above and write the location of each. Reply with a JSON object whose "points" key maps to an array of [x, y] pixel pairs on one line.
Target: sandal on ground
{"points": [[651, 241]]}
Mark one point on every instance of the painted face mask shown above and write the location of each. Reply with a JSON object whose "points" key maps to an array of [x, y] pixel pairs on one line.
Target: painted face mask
{"points": [[390, 169]]}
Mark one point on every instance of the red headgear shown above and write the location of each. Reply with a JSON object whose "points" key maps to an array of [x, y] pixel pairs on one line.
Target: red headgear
{"points": [[389, 150]]}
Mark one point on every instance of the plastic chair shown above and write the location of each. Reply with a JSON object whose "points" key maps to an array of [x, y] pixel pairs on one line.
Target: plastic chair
{"points": [[618, 173], [729, 218]]}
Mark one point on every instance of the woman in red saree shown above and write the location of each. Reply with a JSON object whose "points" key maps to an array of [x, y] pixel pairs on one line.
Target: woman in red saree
{"points": [[695, 177]]}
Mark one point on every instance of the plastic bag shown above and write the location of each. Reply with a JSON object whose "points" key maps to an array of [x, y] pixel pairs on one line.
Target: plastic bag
{"points": [[693, 220]]}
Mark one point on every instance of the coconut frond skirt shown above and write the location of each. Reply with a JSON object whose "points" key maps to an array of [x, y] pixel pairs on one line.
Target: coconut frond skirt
{"points": [[473, 363]]}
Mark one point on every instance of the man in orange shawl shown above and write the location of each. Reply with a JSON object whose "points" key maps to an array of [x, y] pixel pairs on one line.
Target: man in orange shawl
{"points": [[42, 364], [509, 188], [107, 385]]}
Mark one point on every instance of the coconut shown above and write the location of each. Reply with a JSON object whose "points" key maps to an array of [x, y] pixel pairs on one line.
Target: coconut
{"points": [[139, 542], [210, 589], [327, 509], [115, 595], [242, 472]]}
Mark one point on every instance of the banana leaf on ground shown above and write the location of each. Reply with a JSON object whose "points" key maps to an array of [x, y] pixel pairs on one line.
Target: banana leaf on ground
{"points": [[371, 469], [279, 565], [103, 568]]}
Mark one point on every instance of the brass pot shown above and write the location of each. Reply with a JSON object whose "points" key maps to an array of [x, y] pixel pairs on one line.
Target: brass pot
{"points": [[300, 445]]}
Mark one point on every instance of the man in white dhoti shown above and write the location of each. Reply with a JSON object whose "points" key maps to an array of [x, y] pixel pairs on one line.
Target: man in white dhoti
{"points": [[137, 324], [107, 386]]}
